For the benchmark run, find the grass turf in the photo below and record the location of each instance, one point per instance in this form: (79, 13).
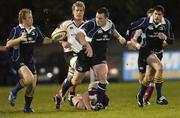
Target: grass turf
(122, 103)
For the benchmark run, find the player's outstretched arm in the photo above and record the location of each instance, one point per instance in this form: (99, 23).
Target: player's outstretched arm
(81, 38)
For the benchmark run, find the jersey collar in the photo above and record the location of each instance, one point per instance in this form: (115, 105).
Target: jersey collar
(108, 25)
(162, 21)
(28, 30)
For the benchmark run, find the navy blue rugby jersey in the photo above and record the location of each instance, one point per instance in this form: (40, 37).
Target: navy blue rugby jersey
(24, 51)
(99, 36)
(150, 32)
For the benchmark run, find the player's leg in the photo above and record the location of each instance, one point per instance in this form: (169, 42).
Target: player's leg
(30, 88)
(79, 73)
(149, 77)
(29, 95)
(154, 61)
(67, 84)
(142, 69)
(25, 80)
(101, 71)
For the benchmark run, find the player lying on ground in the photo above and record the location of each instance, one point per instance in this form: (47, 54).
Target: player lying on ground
(90, 100)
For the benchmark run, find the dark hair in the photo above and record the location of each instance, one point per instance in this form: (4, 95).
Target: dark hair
(105, 101)
(104, 11)
(159, 8)
(150, 11)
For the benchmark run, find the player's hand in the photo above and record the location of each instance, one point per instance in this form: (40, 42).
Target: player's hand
(89, 50)
(23, 37)
(162, 36)
(65, 44)
(122, 40)
(133, 45)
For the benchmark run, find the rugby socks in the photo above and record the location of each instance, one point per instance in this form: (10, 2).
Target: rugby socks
(17, 88)
(67, 84)
(149, 91)
(158, 82)
(143, 90)
(158, 89)
(28, 101)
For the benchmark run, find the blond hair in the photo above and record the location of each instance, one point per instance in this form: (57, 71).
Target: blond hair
(22, 14)
(78, 4)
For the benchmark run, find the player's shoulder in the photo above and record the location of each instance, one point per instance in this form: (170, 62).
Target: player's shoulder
(66, 23)
(109, 25)
(166, 20)
(90, 21)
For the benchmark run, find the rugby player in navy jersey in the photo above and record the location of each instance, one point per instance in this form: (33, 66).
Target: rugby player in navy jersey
(157, 33)
(94, 37)
(130, 33)
(20, 42)
(71, 46)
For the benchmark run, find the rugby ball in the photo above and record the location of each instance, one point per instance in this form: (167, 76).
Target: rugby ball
(59, 34)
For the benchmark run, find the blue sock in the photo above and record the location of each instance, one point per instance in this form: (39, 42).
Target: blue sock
(17, 88)
(28, 101)
(66, 86)
(143, 90)
(158, 89)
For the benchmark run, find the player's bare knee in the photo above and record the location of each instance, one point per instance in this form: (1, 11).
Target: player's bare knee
(159, 68)
(146, 82)
(74, 81)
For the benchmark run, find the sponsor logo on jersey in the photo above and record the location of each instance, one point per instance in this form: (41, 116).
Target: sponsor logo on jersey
(161, 28)
(32, 33)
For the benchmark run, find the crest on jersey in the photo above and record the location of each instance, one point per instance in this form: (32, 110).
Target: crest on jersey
(32, 33)
(150, 27)
(161, 28)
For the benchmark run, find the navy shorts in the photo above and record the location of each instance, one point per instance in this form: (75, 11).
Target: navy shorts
(143, 54)
(84, 63)
(18, 64)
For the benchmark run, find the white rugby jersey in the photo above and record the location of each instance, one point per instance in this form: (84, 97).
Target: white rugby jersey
(72, 30)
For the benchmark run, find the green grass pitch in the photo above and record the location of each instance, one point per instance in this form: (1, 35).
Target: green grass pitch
(122, 103)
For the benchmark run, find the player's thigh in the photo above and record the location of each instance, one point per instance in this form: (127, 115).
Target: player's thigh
(25, 73)
(141, 77)
(73, 62)
(154, 62)
(77, 77)
(101, 71)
